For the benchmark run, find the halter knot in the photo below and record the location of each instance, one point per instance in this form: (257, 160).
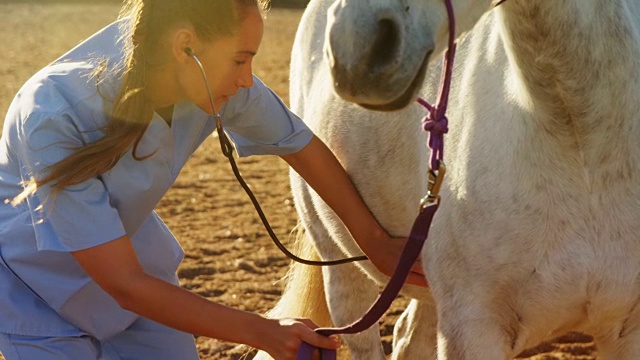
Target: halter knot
(435, 127)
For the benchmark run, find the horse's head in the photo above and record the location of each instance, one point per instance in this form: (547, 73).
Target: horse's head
(378, 50)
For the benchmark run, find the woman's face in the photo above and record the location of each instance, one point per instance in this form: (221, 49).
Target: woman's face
(227, 62)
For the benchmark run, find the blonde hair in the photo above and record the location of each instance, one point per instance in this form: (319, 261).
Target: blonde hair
(131, 112)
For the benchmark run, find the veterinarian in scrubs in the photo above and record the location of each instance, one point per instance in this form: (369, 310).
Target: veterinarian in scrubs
(90, 145)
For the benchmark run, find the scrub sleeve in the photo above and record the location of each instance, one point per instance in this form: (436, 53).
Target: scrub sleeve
(45, 296)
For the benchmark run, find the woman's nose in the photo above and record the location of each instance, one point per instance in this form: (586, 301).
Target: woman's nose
(245, 78)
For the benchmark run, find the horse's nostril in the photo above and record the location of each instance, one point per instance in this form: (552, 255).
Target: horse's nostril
(386, 44)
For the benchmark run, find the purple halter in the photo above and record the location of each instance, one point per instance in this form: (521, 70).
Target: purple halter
(436, 124)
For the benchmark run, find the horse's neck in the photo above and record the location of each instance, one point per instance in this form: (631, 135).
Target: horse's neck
(573, 54)
(577, 66)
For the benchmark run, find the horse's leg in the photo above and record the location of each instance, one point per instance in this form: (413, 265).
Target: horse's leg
(473, 328)
(623, 343)
(415, 332)
(479, 339)
(350, 293)
(624, 348)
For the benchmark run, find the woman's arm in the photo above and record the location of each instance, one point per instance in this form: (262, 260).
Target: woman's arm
(324, 173)
(115, 267)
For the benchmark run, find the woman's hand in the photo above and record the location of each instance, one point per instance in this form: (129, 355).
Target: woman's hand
(283, 341)
(320, 169)
(385, 252)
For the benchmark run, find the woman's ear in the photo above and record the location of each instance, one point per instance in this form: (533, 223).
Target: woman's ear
(183, 43)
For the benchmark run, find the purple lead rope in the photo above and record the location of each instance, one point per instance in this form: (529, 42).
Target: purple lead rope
(408, 257)
(436, 124)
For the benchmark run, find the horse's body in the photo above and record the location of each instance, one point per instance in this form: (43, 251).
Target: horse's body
(538, 230)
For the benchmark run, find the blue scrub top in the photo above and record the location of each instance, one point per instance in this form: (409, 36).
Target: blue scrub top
(43, 290)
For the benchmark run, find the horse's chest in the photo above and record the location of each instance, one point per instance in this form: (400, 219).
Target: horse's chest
(575, 248)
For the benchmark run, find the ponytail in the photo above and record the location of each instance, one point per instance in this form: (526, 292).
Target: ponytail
(131, 112)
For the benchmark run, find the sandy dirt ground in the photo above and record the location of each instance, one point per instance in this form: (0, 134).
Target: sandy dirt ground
(229, 257)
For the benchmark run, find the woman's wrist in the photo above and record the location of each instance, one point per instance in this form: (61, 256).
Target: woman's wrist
(256, 329)
(371, 240)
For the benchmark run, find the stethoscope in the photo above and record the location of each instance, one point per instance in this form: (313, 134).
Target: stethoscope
(227, 151)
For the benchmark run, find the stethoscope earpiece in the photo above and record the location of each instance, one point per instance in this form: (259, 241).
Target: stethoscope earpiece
(188, 51)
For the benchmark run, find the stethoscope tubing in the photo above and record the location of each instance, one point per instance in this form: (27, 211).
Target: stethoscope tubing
(227, 150)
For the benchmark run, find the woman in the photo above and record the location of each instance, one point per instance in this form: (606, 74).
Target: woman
(90, 145)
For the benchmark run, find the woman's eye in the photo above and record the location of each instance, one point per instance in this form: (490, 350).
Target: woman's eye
(240, 62)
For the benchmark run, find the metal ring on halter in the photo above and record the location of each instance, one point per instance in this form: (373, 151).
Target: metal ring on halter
(227, 150)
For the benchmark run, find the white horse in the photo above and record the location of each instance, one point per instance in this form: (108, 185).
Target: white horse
(538, 230)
